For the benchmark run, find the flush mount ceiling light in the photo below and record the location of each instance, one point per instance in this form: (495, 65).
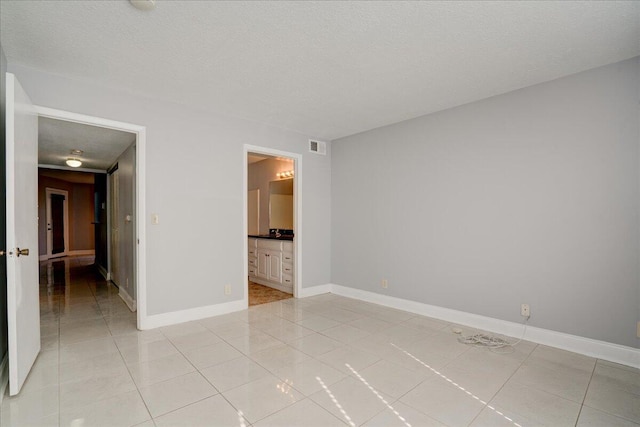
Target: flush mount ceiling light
(143, 4)
(74, 161)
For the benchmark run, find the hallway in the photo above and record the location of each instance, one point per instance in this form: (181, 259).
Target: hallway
(77, 304)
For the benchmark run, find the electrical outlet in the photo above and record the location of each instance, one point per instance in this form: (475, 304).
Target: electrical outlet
(227, 289)
(384, 283)
(525, 311)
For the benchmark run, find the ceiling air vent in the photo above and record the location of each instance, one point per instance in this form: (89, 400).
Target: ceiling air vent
(319, 147)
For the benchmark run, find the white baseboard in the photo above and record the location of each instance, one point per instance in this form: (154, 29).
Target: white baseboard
(103, 272)
(174, 317)
(83, 252)
(46, 257)
(131, 303)
(287, 289)
(594, 348)
(4, 375)
(315, 290)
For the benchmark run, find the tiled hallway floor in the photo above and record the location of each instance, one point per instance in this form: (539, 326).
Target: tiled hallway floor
(319, 361)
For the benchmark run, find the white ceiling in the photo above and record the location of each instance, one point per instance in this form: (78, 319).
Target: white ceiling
(101, 146)
(327, 69)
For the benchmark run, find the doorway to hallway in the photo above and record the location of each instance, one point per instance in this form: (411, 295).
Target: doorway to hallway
(120, 259)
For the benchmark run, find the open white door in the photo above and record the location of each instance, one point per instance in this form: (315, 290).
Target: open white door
(23, 306)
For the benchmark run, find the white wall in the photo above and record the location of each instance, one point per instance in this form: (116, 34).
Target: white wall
(194, 181)
(528, 197)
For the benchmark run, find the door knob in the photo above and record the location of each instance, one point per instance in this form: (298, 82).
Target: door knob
(24, 252)
(2, 253)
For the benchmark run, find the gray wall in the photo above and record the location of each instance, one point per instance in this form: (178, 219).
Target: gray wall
(528, 197)
(259, 175)
(195, 184)
(3, 210)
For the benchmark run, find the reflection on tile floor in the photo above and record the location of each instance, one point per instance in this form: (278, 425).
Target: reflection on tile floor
(319, 361)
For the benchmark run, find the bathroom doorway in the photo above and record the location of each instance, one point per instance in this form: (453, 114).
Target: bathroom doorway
(272, 225)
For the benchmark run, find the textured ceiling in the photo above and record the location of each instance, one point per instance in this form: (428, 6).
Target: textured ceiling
(101, 146)
(327, 69)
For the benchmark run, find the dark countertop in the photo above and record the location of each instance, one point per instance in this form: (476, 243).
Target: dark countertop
(272, 237)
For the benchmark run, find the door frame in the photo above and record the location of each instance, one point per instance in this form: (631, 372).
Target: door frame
(297, 213)
(254, 193)
(48, 191)
(110, 261)
(140, 196)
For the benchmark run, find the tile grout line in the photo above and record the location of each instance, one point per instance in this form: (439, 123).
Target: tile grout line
(507, 380)
(271, 372)
(111, 336)
(586, 392)
(238, 411)
(131, 377)
(199, 372)
(274, 313)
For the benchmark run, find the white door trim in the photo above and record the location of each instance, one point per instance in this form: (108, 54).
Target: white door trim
(140, 178)
(297, 213)
(48, 192)
(113, 275)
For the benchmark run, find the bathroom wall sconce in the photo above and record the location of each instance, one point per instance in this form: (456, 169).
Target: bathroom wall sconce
(285, 174)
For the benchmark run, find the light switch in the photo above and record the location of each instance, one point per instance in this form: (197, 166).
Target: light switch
(155, 219)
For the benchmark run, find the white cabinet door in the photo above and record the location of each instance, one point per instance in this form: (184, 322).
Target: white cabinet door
(275, 267)
(263, 264)
(23, 306)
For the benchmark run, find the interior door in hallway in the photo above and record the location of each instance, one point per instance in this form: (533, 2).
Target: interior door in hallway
(57, 223)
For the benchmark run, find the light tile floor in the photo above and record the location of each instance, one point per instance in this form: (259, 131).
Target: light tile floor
(319, 361)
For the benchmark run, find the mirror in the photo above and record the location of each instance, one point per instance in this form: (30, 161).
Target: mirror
(281, 204)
